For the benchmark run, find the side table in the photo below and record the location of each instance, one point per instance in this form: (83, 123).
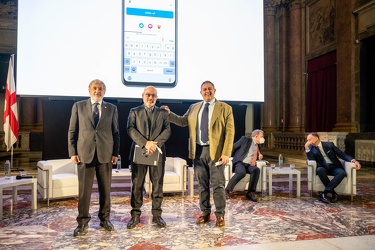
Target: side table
(14, 183)
(278, 171)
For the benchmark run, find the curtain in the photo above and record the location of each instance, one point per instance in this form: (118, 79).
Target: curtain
(321, 93)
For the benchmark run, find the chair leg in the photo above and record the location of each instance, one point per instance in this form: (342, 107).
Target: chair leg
(351, 186)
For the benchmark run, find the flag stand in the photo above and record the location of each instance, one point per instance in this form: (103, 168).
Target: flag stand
(11, 163)
(11, 160)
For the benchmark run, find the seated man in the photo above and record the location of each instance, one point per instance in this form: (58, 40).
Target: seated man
(245, 153)
(325, 154)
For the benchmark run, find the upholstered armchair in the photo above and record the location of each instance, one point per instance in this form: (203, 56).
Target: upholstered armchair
(174, 176)
(347, 186)
(243, 184)
(57, 179)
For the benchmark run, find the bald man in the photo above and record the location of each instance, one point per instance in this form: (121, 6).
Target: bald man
(148, 126)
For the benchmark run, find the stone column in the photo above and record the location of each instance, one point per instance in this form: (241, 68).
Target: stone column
(269, 108)
(294, 99)
(283, 62)
(347, 94)
(303, 66)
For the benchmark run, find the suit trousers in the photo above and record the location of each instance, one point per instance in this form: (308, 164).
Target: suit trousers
(205, 170)
(240, 170)
(338, 175)
(138, 179)
(86, 174)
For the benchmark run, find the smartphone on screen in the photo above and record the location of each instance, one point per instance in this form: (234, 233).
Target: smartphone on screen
(149, 43)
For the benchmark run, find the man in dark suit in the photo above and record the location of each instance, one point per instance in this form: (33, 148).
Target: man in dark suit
(210, 146)
(245, 153)
(93, 144)
(148, 126)
(325, 154)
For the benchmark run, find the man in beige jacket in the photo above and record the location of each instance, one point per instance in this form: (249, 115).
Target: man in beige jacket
(211, 128)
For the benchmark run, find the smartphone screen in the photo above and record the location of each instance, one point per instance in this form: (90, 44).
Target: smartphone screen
(149, 48)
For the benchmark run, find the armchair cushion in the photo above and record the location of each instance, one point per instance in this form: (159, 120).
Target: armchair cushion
(243, 184)
(174, 176)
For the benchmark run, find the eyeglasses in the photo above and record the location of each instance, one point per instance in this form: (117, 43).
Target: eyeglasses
(151, 95)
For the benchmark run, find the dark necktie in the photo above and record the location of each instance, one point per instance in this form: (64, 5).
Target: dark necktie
(95, 114)
(204, 124)
(149, 114)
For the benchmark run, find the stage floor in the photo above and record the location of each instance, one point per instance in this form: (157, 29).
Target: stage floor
(278, 222)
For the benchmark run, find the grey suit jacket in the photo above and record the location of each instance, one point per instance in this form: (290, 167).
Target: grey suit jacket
(139, 131)
(84, 138)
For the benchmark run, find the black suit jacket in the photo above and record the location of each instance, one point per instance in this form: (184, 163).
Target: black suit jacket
(241, 148)
(139, 131)
(332, 153)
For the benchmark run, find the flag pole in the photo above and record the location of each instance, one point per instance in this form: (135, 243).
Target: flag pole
(11, 160)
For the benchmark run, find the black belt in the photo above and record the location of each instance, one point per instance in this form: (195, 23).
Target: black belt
(202, 146)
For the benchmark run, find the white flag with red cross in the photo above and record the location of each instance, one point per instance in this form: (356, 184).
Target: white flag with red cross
(10, 108)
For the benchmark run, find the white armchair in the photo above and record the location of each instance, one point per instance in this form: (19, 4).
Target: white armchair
(243, 184)
(174, 176)
(57, 179)
(347, 186)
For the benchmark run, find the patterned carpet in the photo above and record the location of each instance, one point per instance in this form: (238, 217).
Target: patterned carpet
(279, 218)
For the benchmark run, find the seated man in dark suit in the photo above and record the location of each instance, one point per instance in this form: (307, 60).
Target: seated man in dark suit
(245, 153)
(325, 154)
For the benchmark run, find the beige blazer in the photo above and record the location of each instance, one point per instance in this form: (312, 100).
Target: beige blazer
(221, 131)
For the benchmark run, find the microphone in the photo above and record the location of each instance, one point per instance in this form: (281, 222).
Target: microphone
(18, 177)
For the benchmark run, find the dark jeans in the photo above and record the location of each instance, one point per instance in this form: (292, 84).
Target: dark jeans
(86, 174)
(138, 179)
(338, 175)
(240, 170)
(205, 170)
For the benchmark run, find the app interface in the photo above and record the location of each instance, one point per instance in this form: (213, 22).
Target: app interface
(149, 42)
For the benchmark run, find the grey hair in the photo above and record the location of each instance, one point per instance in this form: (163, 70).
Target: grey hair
(256, 132)
(97, 81)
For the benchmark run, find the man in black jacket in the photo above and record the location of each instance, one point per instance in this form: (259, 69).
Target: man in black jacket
(149, 128)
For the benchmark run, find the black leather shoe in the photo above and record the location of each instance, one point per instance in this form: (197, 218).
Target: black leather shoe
(133, 222)
(334, 198)
(228, 194)
(108, 226)
(81, 230)
(159, 221)
(323, 198)
(251, 196)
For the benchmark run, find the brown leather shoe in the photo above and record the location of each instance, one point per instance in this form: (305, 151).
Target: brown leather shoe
(220, 221)
(203, 219)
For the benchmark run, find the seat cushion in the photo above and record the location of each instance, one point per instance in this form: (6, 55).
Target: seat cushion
(64, 180)
(171, 177)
